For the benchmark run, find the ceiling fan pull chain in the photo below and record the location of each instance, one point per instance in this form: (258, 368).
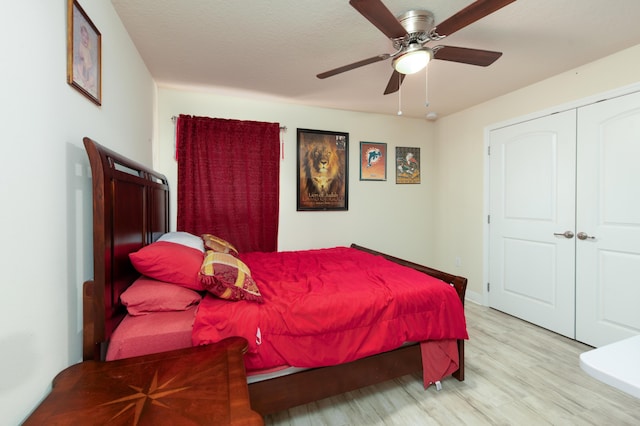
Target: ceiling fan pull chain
(426, 87)
(399, 94)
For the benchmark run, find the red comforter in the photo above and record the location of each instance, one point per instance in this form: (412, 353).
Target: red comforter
(330, 306)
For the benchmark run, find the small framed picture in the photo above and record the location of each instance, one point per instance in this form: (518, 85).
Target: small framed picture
(373, 161)
(322, 172)
(407, 165)
(84, 53)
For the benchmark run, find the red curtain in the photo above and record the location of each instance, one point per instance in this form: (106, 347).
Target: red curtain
(228, 180)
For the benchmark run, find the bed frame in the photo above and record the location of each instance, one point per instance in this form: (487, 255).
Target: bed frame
(131, 210)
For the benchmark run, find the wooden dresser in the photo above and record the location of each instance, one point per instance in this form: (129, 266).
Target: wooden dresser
(193, 386)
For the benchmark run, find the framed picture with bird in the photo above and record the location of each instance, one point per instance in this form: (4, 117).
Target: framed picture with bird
(407, 164)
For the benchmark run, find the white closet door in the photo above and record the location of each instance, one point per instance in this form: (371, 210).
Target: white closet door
(532, 193)
(608, 212)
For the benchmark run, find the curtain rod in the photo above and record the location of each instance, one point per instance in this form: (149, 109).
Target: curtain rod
(283, 128)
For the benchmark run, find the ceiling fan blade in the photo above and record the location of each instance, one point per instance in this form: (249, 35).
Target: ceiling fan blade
(378, 14)
(394, 82)
(470, 14)
(354, 65)
(466, 55)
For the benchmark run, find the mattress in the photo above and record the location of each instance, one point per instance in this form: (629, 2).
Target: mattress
(151, 333)
(330, 306)
(166, 331)
(322, 307)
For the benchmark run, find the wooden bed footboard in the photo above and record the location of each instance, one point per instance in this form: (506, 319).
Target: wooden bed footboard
(458, 282)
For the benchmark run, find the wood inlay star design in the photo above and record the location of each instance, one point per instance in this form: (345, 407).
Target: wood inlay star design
(138, 399)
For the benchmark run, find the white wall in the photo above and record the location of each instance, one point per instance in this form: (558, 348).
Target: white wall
(382, 215)
(45, 189)
(460, 155)
(45, 217)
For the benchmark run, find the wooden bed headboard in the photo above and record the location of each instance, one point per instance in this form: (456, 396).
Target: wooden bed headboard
(130, 210)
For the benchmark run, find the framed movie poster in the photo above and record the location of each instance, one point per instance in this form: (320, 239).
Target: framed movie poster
(84, 53)
(322, 160)
(373, 161)
(407, 165)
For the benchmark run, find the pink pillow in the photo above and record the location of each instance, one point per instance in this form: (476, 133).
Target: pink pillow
(147, 295)
(170, 262)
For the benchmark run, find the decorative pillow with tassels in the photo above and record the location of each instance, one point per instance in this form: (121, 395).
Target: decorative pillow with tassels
(229, 278)
(212, 242)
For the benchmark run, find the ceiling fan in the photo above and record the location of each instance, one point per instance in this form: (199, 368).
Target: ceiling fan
(411, 31)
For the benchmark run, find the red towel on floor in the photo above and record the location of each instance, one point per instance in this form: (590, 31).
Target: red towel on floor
(439, 359)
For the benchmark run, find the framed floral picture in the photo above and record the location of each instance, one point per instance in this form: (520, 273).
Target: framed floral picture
(84, 53)
(322, 173)
(373, 161)
(407, 165)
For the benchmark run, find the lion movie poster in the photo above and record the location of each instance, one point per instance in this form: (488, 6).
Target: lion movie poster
(407, 165)
(322, 170)
(373, 161)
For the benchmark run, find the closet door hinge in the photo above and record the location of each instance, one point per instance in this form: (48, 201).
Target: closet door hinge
(489, 150)
(488, 287)
(489, 219)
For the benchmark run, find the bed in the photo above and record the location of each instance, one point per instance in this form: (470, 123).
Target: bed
(131, 212)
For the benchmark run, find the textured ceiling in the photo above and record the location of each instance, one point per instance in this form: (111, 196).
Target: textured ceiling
(274, 49)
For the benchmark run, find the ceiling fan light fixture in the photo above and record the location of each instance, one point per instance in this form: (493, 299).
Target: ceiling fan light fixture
(413, 60)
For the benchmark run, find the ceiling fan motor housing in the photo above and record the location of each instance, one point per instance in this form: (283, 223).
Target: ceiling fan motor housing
(417, 21)
(418, 24)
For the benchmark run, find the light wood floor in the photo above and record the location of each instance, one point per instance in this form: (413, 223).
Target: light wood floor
(516, 374)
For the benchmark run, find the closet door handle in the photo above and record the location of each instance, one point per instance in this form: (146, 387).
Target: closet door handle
(585, 236)
(566, 234)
